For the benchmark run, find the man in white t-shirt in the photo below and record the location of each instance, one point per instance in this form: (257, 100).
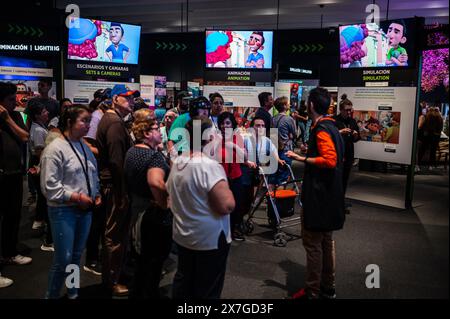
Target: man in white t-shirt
(201, 202)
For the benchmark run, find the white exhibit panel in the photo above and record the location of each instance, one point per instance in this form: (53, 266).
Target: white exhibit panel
(83, 91)
(282, 89)
(148, 89)
(385, 117)
(242, 96)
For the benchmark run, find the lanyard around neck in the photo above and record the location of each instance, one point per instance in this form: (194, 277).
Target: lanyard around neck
(85, 167)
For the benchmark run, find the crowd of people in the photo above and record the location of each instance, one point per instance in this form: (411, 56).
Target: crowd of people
(115, 181)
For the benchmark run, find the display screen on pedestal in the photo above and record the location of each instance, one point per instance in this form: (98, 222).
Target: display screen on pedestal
(103, 41)
(239, 49)
(390, 44)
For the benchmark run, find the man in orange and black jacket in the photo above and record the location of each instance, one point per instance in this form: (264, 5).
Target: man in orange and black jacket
(322, 198)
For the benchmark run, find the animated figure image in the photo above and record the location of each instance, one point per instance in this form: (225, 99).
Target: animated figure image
(255, 43)
(385, 119)
(373, 127)
(397, 55)
(218, 48)
(352, 45)
(392, 133)
(23, 94)
(294, 96)
(116, 50)
(82, 38)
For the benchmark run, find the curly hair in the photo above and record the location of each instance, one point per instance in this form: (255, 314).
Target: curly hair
(139, 128)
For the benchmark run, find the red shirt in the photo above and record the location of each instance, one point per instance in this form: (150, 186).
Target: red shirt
(232, 170)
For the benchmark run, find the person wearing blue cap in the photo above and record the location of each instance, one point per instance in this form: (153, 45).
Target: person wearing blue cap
(113, 140)
(116, 50)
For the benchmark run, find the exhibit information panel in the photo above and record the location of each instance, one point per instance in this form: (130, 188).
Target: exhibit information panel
(83, 91)
(385, 117)
(238, 96)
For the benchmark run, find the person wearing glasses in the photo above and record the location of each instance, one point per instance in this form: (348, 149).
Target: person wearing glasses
(348, 128)
(168, 119)
(146, 170)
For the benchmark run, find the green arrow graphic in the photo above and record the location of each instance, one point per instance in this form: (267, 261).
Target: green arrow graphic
(11, 28)
(313, 47)
(26, 30)
(164, 45)
(157, 45)
(18, 29)
(294, 48)
(306, 48)
(177, 47)
(170, 46)
(33, 32)
(320, 47)
(300, 48)
(40, 33)
(184, 46)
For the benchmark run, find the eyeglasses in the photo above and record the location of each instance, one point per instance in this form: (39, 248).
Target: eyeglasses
(86, 120)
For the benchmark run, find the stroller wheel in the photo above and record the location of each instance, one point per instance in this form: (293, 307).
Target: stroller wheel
(280, 240)
(248, 227)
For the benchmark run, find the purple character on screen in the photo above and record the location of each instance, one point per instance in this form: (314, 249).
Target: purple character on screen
(352, 43)
(115, 51)
(255, 42)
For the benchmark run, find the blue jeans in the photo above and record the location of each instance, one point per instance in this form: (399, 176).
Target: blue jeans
(283, 172)
(70, 230)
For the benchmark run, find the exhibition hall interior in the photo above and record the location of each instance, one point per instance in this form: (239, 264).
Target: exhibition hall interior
(212, 149)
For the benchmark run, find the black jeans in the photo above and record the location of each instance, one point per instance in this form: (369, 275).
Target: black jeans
(348, 163)
(156, 242)
(11, 192)
(236, 215)
(201, 273)
(95, 234)
(41, 208)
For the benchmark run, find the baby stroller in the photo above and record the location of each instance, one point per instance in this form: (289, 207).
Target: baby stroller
(281, 206)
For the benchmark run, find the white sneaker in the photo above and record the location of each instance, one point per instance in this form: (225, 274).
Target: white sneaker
(20, 260)
(38, 225)
(417, 169)
(47, 247)
(5, 282)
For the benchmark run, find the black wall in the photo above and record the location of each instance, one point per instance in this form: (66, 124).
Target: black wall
(181, 56)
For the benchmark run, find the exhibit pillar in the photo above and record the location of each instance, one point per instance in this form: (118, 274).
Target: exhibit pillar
(411, 168)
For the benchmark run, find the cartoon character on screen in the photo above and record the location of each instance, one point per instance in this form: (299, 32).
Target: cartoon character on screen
(218, 48)
(255, 43)
(352, 45)
(397, 55)
(115, 51)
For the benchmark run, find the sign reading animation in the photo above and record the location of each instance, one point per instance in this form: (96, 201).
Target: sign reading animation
(385, 117)
(243, 96)
(83, 91)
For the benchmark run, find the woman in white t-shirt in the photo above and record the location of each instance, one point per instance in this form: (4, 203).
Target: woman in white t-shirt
(201, 202)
